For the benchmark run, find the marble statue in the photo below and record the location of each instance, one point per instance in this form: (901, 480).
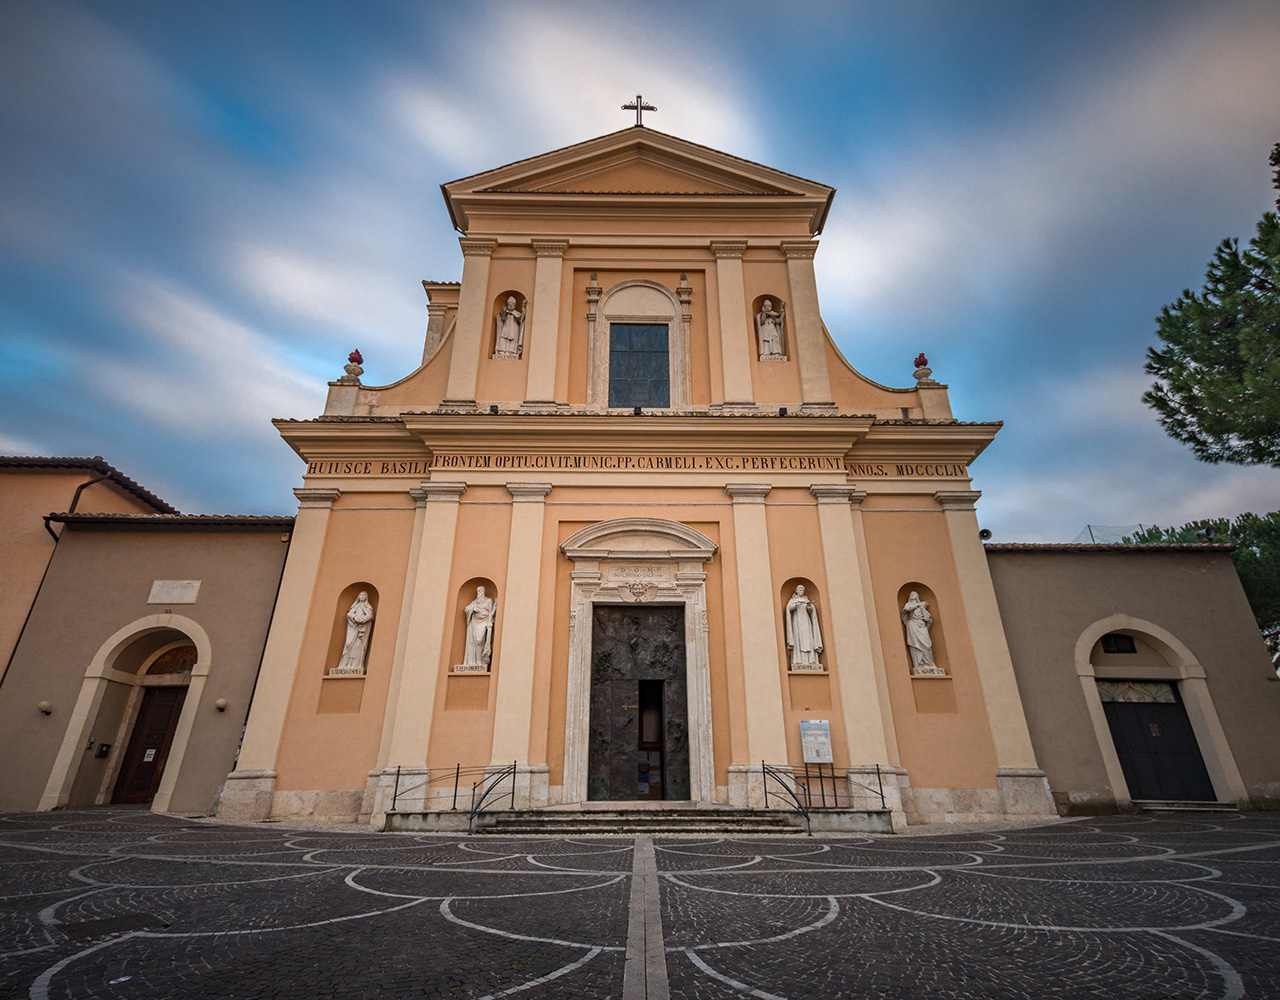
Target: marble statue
(510, 323)
(479, 646)
(804, 637)
(916, 619)
(356, 646)
(769, 324)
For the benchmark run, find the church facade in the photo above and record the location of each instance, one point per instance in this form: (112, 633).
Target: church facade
(635, 530)
(635, 486)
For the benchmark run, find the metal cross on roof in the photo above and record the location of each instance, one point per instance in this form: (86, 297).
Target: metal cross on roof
(639, 107)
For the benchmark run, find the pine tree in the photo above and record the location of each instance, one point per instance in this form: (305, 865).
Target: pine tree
(1217, 376)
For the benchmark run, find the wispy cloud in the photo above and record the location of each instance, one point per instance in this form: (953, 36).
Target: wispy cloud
(206, 374)
(552, 76)
(978, 214)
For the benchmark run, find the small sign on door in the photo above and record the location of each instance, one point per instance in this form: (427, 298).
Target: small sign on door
(149, 756)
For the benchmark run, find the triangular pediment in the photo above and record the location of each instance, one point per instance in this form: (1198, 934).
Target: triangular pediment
(635, 161)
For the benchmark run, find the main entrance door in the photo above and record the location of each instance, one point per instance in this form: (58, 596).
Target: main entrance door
(150, 744)
(1155, 742)
(639, 742)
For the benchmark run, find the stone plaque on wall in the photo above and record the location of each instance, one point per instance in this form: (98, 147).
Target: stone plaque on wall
(174, 592)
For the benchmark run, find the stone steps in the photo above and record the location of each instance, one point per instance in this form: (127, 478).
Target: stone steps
(565, 822)
(1178, 805)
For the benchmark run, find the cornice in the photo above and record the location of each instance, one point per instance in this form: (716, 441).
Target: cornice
(799, 250)
(728, 248)
(748, 492)
(528, 492)
(957, 499)
(550, 248)
(316, 497)
(834, 493)
(474, 247)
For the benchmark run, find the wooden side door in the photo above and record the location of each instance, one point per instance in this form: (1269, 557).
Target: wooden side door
(149, 745)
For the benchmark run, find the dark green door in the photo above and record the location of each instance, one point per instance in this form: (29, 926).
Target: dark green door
(639, 704)
(1155, 743)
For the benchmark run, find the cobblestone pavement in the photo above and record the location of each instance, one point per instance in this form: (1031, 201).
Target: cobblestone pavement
(122, 903)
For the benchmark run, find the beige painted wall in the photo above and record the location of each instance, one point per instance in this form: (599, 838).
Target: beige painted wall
(26, 495)
(98, 582)
(1049, 598)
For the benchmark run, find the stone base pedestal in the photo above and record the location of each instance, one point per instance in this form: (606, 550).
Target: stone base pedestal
(532, 783)
(1025, 792)
(384, 791)
(247, 795)
(747, 787)
(865, 785)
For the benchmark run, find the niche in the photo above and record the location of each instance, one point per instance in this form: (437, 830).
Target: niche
(769, 324)
(467, 596)
(510, 312)
(338, 635)
(803, 632)
(924, 642)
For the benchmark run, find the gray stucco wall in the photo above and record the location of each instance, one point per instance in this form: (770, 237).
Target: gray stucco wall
(1048, 598)
(98, 582)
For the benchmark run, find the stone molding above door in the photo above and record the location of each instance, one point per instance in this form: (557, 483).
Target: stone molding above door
(623, 561)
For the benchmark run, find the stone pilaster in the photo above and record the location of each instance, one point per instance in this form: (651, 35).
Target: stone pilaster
(518, 635)
(766, 729)
(806, 320)
(469, 330)
(736, 340)
(541, 342)
(1022, 785)
(426, 632)
(247, 792)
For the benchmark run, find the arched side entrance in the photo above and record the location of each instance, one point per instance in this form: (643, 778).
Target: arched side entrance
(1179, 669)
(647, 561)
(105, 669)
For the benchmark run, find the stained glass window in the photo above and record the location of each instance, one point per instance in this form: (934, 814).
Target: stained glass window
(639, 365)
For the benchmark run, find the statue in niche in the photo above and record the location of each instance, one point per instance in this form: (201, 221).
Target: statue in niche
(479, 646)
(804, 637)
(510, 323)
(769, 323)
(356, 646)
(916, 620)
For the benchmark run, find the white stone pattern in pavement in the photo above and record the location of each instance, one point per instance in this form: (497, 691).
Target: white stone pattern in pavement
(125, 904)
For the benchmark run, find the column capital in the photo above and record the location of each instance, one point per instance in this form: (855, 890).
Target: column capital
(748, 492)
(314, 496)
(528, 492)
(550, 248)
(957, 499)
(835, 493)
(801, 250)
(475, 247)
(441, 492)
(734, 248)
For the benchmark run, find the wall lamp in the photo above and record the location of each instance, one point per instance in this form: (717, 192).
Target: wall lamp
(220, 704)
(44, 708)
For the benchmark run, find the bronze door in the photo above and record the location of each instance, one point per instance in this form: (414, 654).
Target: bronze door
(639, 733)
(149, 745)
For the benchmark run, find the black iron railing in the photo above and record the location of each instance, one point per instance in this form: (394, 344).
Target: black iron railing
(479, 777)
(786, 787)
(489, 787)
(814, 787)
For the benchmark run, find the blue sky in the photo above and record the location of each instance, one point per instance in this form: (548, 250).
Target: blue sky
(203, 208)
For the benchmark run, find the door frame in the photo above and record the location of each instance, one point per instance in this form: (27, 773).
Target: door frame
(101, 672)
(1186, 674)
(631, 560)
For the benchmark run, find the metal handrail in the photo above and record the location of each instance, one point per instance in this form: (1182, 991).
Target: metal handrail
(782, 775)
(492, 782)
(458, 772)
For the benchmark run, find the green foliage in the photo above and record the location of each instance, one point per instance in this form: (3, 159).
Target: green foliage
(1257, 559)
(1217, 376)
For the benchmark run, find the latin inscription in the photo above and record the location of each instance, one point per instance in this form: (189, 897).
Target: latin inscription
(642, 463)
